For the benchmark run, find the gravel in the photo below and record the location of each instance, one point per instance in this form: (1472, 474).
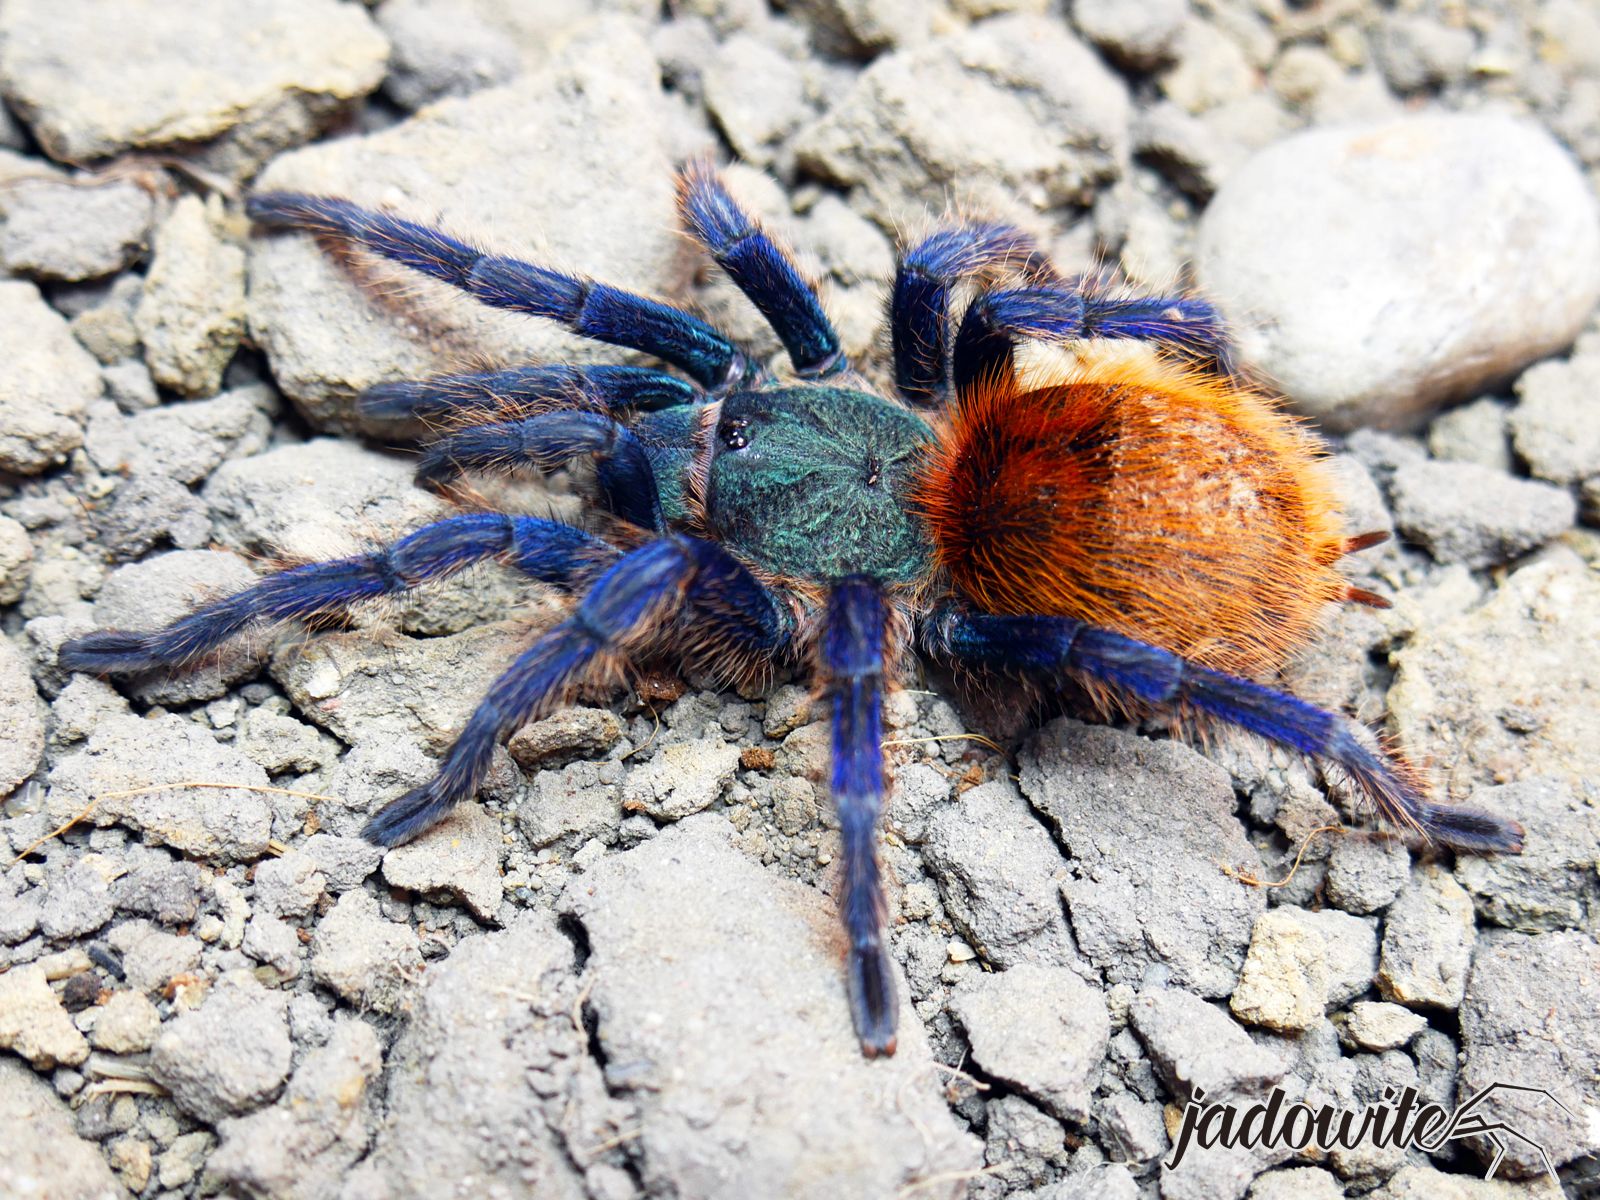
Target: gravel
(616, 972)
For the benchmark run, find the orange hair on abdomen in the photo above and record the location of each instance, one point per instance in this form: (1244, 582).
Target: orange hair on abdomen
(1179, 509)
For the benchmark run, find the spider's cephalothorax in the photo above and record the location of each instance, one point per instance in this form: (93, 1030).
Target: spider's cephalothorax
(1157, 534)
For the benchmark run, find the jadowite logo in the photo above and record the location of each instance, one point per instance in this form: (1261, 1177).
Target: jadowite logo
(1402, 1118)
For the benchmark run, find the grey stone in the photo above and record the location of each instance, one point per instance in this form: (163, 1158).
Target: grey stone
(1136, 35)
(150, 957)
(1144, 824)
(156, 887)
(365, 959)
(126, 1024)
(149, 510)
(714, 980)
(1015, 109)
(1555, 978)
(587, 129)
(757, 93)
(129, 384)
(192, 315)
(309, 500)
(289, 885)
(151, 594)
(223, 81)
(567, 733)
(1556, 427)
(1297, 1183)
(40, 1154)
(1553, 883)
(301, 1147)
(180, 1163)
(47, 381)
(77, 901)
(1212, 68)
(278, 743)
(1427, 942)
(682, 778)
(492, 1034)
(1415, 50)
(575, 801)
(132, 754)
(1131, 1129)
(446, 48)
(1417, 1182)
(458, 858)
(273, 943)
(1021, 1143)
(21, 719)
(1000, 876)
(1350, 945)
(1498, 692)
(1195, 1045)
(73, 230)
(185, 442)
(1465, 513)
(1041, 1029)
(1366, 873)
(394, 693)
(1474, 433)
(32, 1022)
(1377, 1025)
(16, 559)
(231, 1054)
(1400, 274)
(345, 861)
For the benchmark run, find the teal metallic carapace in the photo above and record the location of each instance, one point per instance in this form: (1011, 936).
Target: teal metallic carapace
(811, 483)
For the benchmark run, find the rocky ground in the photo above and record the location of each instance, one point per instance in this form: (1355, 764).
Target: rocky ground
(617, 972)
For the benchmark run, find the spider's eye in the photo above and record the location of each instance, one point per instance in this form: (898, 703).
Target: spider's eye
(731, 433)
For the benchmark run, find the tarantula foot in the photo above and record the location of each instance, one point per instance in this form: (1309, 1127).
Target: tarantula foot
(103, 653)
(872, 999)
(401, 820)
(1473, 829)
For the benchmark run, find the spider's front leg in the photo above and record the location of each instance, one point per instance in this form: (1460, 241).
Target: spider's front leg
(624, 609)
(854, 634)
(1050, 647)
(608, 389)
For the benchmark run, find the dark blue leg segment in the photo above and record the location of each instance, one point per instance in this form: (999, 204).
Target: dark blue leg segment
(1051, 647)
(853, 639)
(547, 550)
(627, 480)
(919, 314)
(589, 309)
(615, 390)
(624, 607)
(764, 273)
(1182, 326)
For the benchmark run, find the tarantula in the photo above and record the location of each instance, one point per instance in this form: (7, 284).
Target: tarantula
(1152, 532)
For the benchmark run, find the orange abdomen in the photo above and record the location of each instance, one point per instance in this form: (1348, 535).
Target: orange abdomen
(1180, 510)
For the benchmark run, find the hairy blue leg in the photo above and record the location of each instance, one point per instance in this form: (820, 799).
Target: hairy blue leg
(623, 471)
(626, 605)
(1181, 325)
(919, 313)
(1052, 646)
(853, 637)
(547, 550)
(610, 389)
(590, 309)
(764, 273)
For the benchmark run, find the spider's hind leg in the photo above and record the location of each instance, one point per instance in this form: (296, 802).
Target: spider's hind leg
(925, 279)
(1183, 326)
(1052, 646)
